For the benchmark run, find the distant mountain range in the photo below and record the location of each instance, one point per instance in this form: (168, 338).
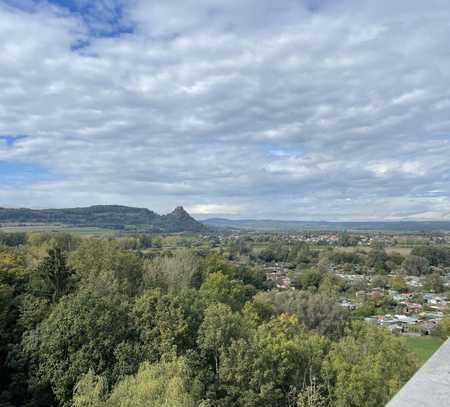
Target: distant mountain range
(142, 219)
(106, 216)
(280, 225)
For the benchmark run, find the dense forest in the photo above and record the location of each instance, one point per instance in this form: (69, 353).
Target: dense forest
(106, 216)
(87, 321)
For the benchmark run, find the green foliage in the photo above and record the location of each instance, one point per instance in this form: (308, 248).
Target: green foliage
(64, 241)
(221, 288)
(135, 242)
(379, 281)
(12, 239)
(396, 258)
(346, 240)
(416, 265)
(275, 363)
(53, 277)
(367, 368)
(13, 278)
(220, 325)
(366, 309)
(113, 326)
(331, 285)
(377, 259)
(312, 396)
(7, 319)
(259, 309)
(82, 332)
(340, 257)
(318, 312)
(164, 384)
(310, 279)
(298, 253)
(160, 324)
(436, 255)
(12, 267)
(215, 263)
(433, 282)
(248, 276)
(32, 310)
(424, 346)
(398, 283)
(443, 329)
(102, 266)
(173, 273)
(90, 391)
(238, 248)
(274, 252)
(107, 216)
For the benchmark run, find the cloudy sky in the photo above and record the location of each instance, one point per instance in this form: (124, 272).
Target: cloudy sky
(289, 109)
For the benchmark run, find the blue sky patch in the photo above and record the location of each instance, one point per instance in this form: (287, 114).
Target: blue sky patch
(10, 140)
(104, 18)
(277, 151)
(288, 152)
(16, 172)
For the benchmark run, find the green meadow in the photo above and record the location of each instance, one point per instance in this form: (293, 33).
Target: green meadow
(423, 346)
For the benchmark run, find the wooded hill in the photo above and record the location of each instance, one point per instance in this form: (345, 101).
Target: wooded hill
(105, 216)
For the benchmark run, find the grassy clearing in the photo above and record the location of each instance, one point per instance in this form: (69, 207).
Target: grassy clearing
(404, 251)
(423, 346)
(88, 231)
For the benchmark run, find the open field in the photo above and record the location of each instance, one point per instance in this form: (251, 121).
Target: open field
(423, 346)
(88, 231)
(404, 251)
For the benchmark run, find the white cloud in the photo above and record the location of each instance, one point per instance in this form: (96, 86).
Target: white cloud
(414, 96)
(208, 209)
(192, 106)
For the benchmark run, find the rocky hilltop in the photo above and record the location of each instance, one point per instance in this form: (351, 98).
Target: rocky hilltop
(106, 216)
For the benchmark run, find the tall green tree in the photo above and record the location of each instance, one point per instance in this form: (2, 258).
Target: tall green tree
(434, 282)
(367, 367)
(163, 384)
(443, 328)
(53, 277)
(219, 327)
(102, 266)
(159, 323)
(220, 288)
(319, 312)
(416, 265)
(272, 365)
(83, 331)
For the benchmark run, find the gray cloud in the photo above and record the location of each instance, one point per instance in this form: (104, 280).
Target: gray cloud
(321, 109)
